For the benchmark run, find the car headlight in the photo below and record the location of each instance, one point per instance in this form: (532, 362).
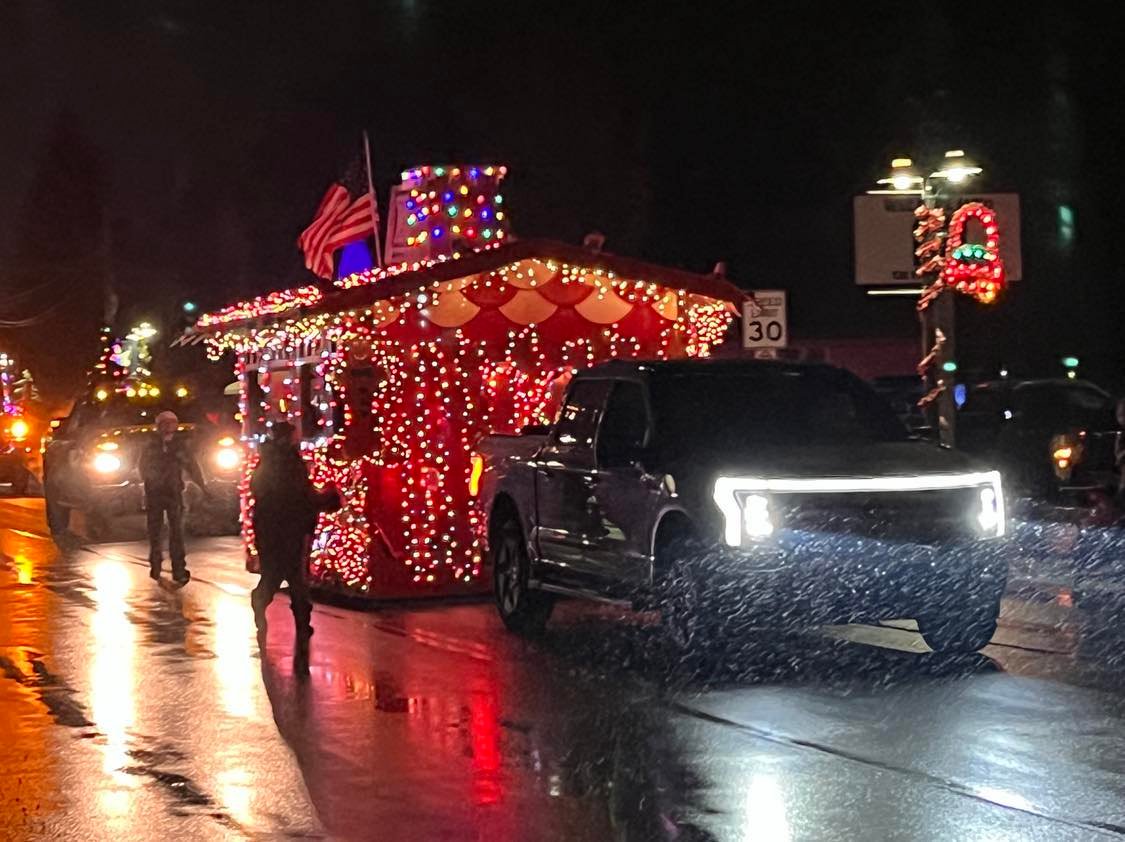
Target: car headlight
(20, 429)
(228, 457)
(106, 462)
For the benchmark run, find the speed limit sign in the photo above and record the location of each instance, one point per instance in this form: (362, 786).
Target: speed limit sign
(764, 320)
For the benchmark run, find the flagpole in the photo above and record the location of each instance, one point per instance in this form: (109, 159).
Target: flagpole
(374, 206)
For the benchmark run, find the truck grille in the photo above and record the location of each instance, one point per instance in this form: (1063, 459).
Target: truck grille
(921, 517)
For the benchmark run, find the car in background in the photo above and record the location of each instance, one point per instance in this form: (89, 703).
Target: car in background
(19, 449)
(91, 462)
(902, 393)
(1050, 437)
(734, 493)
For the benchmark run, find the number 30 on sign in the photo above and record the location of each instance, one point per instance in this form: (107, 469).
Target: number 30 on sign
(764, 319)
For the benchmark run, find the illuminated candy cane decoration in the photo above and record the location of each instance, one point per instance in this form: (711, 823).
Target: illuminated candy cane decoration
(975, 269)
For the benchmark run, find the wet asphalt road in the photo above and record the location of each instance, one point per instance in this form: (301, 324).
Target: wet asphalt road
(131, 710)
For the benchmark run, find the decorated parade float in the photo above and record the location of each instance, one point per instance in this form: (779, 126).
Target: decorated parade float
(393, 374)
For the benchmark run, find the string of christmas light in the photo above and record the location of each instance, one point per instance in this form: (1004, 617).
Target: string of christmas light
(929, 232)
(974, 269)
(273, 304)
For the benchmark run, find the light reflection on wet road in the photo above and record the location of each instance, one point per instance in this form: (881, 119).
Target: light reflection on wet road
(132, 710)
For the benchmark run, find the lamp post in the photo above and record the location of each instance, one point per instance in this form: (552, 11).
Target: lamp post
(938, 365)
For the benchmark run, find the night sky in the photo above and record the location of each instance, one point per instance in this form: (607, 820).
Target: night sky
(177, 148)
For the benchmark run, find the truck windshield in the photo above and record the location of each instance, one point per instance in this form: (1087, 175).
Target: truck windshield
(786, 406)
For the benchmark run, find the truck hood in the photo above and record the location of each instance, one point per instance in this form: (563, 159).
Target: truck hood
(884, 459)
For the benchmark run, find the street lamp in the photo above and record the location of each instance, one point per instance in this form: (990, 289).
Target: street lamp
(956, 168)
(904, 178)
(935, 305)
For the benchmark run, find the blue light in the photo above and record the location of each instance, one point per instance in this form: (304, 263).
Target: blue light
(474, 172)
(354, 257)
(437, 233)
(485, 214)
(960, 392)
(447, 196)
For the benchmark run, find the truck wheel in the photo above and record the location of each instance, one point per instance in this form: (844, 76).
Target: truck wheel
(960, 632)
(523, 610)
(688, 622)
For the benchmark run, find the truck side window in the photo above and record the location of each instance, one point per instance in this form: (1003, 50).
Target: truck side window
(624, 427)
(578, 420)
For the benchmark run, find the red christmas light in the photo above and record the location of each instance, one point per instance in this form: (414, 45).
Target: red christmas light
(974, 269)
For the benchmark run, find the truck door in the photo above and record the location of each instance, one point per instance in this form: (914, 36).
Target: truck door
(625, 496)
(564, 478)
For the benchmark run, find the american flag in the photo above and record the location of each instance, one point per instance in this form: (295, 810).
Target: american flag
(339, 220)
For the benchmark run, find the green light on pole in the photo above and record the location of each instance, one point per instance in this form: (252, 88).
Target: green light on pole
(190, 306)
(1070, 362)
(949, 366)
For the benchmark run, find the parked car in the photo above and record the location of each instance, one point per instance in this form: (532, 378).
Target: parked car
(734, 492)
(902, 393)
(1049, 437)
(90, 463)
(19, 445)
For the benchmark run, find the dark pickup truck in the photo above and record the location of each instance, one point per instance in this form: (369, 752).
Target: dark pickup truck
(735, 493)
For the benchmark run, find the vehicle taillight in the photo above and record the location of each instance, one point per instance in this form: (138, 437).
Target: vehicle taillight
(475, 473)
(1066, 452)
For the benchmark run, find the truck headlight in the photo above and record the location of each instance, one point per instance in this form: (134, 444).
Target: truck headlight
(106, 462)
(746, 515)
(756, 519)
(991, 515)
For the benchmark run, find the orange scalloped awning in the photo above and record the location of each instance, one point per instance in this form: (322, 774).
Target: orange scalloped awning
(604, 307)
(452, 309)
(528, 307)
(528, 274)
(668, 306)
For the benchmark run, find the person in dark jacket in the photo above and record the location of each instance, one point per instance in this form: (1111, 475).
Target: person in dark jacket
(285, 513)
(163, 463)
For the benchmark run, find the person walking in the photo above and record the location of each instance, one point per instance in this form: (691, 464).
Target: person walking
(285, 514)
(163, 463)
